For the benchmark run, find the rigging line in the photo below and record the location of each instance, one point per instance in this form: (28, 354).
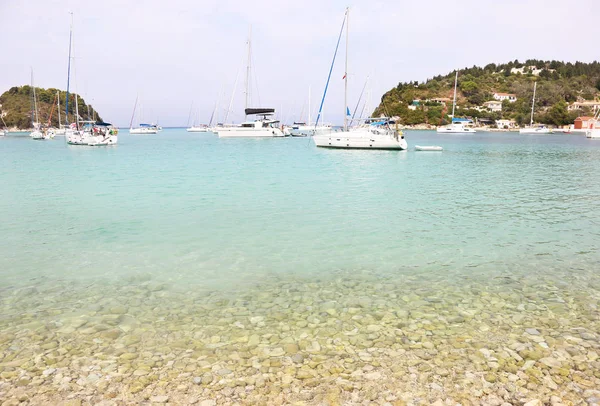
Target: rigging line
(233, 93)
(359, 99)
(331, 68)
(190, 114)
(255, 77)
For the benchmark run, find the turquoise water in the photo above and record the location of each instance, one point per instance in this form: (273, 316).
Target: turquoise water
(163, 222)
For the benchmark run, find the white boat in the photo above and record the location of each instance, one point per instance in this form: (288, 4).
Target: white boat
(144, 129)
(302, 129)
(458, 125)
(61, 130)
(2, 133)
(261, 127)
(93, 134)
(88, 132)
(198, 129)
(541, 129)
(38, 133)
(373, 135)
(428, 148)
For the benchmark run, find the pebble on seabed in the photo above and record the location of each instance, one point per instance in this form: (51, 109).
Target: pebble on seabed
(351, 339)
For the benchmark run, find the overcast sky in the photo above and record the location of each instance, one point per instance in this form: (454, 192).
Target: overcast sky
(173, 53)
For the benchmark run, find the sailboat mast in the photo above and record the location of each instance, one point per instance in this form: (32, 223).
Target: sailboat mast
(69, 71)
(532, 104)
(35, 109)
(454, 99)
(133, 114)
(346, 73)
(248, 70)
(77, 110)
(308, 105)
(58, 107)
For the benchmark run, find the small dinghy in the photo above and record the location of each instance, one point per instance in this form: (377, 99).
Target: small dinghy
(428, 148)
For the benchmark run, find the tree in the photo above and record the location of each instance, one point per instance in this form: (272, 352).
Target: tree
(558, 114)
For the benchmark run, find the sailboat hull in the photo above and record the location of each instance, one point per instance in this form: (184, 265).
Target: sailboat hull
(143, 131)
(240, 132)
(360, 139)
(535, 131)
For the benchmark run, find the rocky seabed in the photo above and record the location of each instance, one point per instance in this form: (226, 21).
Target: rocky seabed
(353, 338)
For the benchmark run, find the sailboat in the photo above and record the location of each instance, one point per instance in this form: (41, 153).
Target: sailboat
(458, 125)
(38, 132)
(376, 134)
(301, 129)
(263, 126)
(61, 130)
(5, 131)
(204, 128)
(542, 129)
(89, 132)
(143, 128)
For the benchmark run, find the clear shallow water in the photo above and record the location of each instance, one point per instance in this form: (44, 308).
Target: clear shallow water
(175, 216)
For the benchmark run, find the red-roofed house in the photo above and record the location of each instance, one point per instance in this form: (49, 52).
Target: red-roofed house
(583, 122)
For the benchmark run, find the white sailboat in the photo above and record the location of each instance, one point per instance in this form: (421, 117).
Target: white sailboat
(542, 129)
(5, 131)
(263, 126)
(38, 132)
(307, 129)
(458, 125)
(374, 135)
(142, 128)
(61, 130)
(87, 133)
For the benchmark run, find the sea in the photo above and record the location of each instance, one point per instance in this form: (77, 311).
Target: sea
(185, 268)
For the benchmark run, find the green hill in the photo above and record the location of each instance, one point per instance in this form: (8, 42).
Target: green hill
(559, 84)
(16, 105)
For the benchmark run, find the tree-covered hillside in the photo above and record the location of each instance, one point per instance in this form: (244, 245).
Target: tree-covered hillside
(16, 106)
(559, 84)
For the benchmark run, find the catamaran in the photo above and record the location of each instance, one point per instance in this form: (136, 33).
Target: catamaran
(263, 126)
(458, 125)
(541, 129)
(372, 135)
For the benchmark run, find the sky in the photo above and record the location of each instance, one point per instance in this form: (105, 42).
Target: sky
(183, 56)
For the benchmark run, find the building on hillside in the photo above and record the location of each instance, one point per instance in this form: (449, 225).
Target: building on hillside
(579, 105)
(506, 124)
(441, 100)
(493, 105)
(583, 122)
(415, 103)
(525, 69)
(505, 96)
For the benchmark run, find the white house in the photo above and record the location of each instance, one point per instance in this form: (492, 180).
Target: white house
(523, 70)
(493, 105)
(506, 123)
(593, 105)
(505, 96)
